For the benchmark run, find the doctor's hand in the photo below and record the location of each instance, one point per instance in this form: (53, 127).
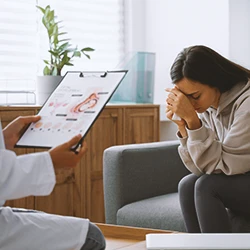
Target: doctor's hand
(15, 129)
(63, 157)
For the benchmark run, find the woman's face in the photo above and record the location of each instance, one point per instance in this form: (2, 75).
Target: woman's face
(200, 95)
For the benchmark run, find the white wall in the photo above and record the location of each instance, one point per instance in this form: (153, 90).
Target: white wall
(167, 26)
(173, 25)
(239, 31)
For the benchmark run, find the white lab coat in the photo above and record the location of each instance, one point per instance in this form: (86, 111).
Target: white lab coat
(33, 174)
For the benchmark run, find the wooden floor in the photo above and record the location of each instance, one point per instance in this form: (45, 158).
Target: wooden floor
(125, 238)
(113, 244)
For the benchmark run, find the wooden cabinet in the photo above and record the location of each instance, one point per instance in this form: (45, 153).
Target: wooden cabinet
(140, 125)
(79, 191)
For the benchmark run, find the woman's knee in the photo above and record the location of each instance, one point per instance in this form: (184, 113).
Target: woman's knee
(187, 183)
(206, 184)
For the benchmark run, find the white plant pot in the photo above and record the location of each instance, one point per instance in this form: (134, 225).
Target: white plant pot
(45, 85)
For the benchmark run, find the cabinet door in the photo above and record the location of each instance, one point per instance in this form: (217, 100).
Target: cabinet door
(106, 132)
(141, 124)
(7, 117)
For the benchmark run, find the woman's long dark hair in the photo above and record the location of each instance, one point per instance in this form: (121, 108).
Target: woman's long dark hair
(202, 64)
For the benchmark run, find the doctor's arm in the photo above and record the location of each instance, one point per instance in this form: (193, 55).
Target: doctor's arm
(33, 174)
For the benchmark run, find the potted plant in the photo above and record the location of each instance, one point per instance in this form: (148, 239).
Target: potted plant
(61, 54)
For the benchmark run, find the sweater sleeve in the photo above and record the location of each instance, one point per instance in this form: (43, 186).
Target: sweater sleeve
(203, 151)
(21, 176)
(186, 158)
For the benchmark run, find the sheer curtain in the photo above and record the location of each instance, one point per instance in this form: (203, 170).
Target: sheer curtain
(89, 23)
(17, 42)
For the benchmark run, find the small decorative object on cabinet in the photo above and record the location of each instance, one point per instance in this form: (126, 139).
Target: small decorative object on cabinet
(79, 191)
(138, 84)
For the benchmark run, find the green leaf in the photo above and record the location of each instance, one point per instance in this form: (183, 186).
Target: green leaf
(54, 71)
(47, 62)
(51, 30)
(62, 33)
(87, 49)
(77, 53)
(51, 15)
(64, 48)
(55, 30)
(45, 23)
(46, 71)
(64, 40)
(54, 53)
(86, 55)
(41, 9)
(69, 50)
(69, 64)
(47, 12)
(64, 60)
(47, 8)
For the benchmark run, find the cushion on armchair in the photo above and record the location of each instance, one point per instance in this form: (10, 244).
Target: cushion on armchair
(160, 212)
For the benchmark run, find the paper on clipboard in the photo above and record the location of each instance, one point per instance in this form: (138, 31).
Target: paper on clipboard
(72, 108)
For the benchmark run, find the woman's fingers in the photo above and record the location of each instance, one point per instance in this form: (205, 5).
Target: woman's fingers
(171, 96)
(169, 107)
(169, 114)
(169, 101)
(172, 90)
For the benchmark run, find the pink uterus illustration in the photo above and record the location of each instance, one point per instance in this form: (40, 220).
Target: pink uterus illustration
(89, 103)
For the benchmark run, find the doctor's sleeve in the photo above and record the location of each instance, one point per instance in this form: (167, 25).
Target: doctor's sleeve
(25, 175)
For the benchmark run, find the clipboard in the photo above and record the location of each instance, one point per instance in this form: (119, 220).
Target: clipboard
(72, 108)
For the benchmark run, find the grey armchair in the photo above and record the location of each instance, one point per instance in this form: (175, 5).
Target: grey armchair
(140, 187)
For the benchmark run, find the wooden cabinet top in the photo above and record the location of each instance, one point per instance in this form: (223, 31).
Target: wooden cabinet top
(27, 107)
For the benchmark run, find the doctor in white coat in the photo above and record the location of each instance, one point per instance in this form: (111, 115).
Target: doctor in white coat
(33, 174)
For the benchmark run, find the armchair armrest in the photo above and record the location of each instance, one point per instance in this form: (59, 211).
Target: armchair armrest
(139, 171)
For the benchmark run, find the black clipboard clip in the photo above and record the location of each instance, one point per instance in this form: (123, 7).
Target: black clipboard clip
(90, 74)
